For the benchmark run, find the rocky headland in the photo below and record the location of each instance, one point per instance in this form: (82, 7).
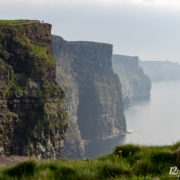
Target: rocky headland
(94, 99)
(32, 118)
(136, 85)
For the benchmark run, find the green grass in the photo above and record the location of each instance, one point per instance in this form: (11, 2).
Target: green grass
(126, 162)
(7, 22)
(16, 24)
(38, 51)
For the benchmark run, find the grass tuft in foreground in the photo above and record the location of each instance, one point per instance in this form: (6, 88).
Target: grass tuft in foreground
(126, 162)
(23, 169)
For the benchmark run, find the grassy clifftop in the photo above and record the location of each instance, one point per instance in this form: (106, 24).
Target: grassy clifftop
(2, 21)
(32, 118)
(126, 162)
(17, 21)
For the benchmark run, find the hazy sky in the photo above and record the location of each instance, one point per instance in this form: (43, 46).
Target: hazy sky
(149, 29)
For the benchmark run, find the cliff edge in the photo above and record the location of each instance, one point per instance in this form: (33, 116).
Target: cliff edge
(32, 119)
(135, 84)
(94, 88)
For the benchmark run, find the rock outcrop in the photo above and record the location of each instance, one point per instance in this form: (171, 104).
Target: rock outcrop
(94, 91)
(135, 84)
(32, 119)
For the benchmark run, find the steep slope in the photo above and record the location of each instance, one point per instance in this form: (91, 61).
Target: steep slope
(32, 119)
(93, 87)
(135, 84)
(161, 70)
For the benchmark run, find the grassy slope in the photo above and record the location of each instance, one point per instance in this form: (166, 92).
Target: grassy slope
(12, 21)
(126, 162)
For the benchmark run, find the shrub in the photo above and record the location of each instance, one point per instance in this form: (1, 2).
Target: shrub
(63, 172)
(133, 159)
(162, 161)
(163, 157)
(143, 168)
(175, 146)
(177, 152)
(23, 169)
(126, 150)
(113, 171)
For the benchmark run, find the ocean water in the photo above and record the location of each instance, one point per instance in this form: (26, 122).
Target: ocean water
(156, 121)
(150, 122)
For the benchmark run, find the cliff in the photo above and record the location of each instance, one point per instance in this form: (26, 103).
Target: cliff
(32, 119)
(74, 146)
(135, 84)
(161, 70)
(94, 90)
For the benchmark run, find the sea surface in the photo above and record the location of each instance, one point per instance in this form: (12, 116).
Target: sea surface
(150, 122)
(157, 121)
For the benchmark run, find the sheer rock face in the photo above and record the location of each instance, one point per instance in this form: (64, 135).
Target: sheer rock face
(94, 90)
(32, 119)
(135, 84)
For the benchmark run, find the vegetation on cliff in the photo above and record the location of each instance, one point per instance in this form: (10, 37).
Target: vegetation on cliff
(7, 22)
(32, 119)
(126, 162)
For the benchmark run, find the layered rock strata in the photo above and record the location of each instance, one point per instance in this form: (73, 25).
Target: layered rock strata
(32, 118)
(94, 97)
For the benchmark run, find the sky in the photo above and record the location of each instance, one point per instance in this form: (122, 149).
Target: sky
(149, 29)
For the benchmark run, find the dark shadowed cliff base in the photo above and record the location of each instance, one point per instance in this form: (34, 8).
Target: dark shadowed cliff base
(94, 97)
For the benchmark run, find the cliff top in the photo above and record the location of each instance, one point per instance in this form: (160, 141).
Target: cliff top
(119, 59)
(125, 56)
(30, 39)
(17, 22)
(82, 43)
(89, 43)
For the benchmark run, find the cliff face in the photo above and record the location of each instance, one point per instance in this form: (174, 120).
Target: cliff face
(73, 143)
(135, 84)
(161, 70)
(95, 89)
(32, 119)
